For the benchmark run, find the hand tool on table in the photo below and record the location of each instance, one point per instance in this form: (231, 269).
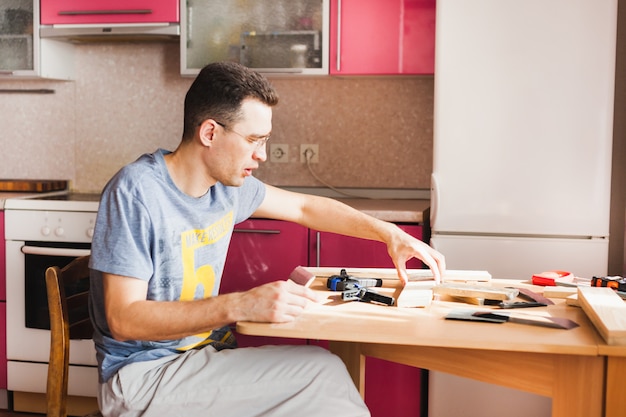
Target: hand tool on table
(357, 289)
(536, 300)
(502, 317)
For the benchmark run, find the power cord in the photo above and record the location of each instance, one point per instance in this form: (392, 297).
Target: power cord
(308, 155)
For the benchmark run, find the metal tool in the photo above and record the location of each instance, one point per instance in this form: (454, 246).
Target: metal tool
(356, 289)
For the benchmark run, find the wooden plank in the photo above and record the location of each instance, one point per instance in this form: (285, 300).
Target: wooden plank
(476, 291)
(414, 274)
(559, 292)
(607, 312)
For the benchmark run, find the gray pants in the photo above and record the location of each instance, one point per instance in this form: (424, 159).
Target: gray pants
(264, 381)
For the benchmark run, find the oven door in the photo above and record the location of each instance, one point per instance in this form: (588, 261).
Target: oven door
(28, 346)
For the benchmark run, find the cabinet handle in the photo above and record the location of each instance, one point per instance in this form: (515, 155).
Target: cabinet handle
(279, 70)
(434, 199)
(318, 247)
(98, 12)
(24, 90)
(189, 19)
(261, 231)
(338, 53)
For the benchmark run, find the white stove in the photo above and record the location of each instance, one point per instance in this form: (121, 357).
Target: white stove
(51, 217)
(43, 230)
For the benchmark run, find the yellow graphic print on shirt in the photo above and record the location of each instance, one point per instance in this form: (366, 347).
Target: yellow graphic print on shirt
(204, 275)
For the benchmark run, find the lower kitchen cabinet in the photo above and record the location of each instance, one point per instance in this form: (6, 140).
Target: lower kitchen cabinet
(3, 307)
(3, 345)
(264, 250)
(391, 389)
(329, 249)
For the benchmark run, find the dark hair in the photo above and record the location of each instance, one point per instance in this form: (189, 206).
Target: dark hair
(217, 93)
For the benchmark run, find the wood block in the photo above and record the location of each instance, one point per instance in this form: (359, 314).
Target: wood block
(572, 300)
(559, 292)
(415, 294)
(607, 312)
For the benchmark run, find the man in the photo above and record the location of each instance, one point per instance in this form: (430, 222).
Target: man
(161, 237)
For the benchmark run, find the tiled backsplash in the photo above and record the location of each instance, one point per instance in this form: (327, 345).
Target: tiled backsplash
(127, 99)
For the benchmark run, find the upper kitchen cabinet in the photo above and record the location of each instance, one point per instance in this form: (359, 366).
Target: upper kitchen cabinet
(79, 19)
(382, 37)
(273, 36)
(22, 52)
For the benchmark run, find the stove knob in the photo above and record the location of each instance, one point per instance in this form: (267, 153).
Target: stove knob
(45, 231)
(89, 232)
(59, 231)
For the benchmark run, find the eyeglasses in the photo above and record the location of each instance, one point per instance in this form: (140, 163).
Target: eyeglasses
(258, 142)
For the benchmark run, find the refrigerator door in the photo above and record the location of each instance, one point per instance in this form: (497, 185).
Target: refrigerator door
(521, 257)
(523, 116)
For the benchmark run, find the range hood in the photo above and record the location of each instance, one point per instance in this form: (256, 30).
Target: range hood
(110, 31)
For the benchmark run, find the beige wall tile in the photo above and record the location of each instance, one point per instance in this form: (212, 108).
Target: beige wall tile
(127, 99)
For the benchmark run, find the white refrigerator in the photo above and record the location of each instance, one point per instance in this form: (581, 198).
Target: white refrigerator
(523, 121)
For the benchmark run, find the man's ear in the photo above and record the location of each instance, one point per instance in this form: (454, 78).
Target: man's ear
(206, 131)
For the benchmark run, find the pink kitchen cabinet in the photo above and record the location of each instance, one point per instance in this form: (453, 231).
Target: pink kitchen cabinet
(329, 249)
(268, 250)
(382, 37)
(109, 11)
(3, 264)
(3, 307)
(263, 251)
(391, 389)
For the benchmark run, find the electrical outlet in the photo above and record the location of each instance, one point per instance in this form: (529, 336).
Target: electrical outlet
(310, 152)
(279, 152)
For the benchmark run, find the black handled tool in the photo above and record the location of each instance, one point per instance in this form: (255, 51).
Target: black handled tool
(356, 289)
(344, 282)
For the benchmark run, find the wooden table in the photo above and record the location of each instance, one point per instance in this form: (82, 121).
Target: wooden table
(615, 406)
(563, 364)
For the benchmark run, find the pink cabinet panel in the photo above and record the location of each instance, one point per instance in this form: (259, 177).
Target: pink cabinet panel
(3, 264)
(263, 251)
(391, 389)
(382, 37)
(3, 307)
(3, 345)
(109, 11)
(328, 249)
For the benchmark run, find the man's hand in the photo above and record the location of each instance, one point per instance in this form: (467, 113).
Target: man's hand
(403, 247)
(275, 302)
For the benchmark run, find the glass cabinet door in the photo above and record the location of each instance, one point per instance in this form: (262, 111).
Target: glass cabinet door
(16, 35)
(280, 36)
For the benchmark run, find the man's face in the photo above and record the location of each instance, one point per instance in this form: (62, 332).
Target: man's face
(238, 149)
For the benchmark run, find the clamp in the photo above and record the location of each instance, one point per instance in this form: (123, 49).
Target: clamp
(357, 289)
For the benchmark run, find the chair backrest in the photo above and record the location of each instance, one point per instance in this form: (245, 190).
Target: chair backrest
(68, 294)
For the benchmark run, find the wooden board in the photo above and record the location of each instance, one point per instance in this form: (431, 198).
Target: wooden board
(35, 186)
(484, 292)
(414, 274)
(607, 312)
(559, 292)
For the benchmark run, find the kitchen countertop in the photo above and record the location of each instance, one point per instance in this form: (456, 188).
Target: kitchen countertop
(397, 211)
(4, 195)
(392, 210)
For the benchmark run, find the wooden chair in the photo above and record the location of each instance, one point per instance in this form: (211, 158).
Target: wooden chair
(69, 319)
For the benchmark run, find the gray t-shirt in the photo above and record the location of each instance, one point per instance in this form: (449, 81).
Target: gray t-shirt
(148, 229)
